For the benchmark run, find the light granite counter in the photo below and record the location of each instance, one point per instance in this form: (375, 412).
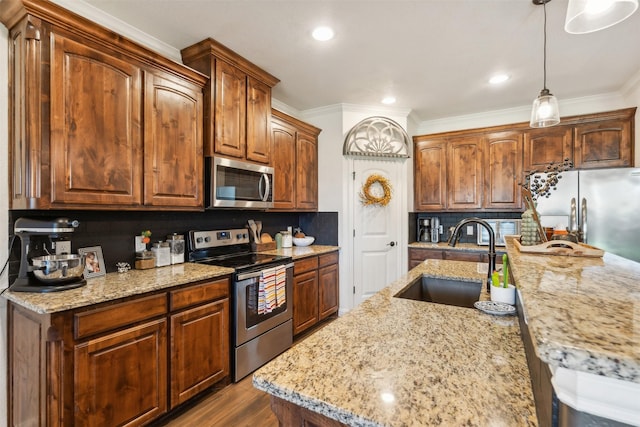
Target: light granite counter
(583, 313)
(113, 286)
(299, 252)
(399, 362)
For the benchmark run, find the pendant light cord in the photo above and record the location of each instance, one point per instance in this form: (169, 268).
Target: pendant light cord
(544, 60)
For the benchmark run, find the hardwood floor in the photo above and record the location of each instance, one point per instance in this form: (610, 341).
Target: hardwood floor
(237, 405)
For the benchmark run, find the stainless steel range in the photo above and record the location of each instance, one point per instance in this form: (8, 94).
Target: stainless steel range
(262, 296)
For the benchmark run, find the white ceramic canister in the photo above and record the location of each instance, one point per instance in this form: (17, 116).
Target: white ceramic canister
(162, 252)
(287, 239)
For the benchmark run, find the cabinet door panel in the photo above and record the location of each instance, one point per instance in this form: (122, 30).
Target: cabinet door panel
(547, 145)
(306, 172)
(258, 120)
(327, 291)
(121, 378)
(199, 349)
(305, 301)
(96, 154)
(430, 177)
(504, 171)
(230, 110)
(173, 143)
(600, 145)
(464, 174)
(283, 138)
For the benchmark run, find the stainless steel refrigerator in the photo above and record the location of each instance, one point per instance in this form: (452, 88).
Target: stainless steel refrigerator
(612, 201)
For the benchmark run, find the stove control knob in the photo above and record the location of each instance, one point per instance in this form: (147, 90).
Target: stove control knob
(239, 236)
(199, 240)
(207, 239)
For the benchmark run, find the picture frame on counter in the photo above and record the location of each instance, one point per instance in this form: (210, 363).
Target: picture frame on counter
(94, 262)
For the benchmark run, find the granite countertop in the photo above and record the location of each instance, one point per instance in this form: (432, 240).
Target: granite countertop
(457, 247)
(113, 286)
(299, 252)
(583, 313)
(399, 362)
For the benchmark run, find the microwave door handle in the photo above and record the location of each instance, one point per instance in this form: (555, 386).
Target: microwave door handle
(264, 187)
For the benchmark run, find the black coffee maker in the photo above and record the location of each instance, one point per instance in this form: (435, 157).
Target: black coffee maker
(39, 270)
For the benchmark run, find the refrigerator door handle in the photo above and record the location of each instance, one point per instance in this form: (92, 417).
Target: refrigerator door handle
(583, 217)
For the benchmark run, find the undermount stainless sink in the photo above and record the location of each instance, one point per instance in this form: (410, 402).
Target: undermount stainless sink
(460, 293)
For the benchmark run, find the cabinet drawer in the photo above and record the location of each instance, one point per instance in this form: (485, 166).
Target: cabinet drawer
(115, 316)
(197, 294)
(306, 264)
(328, 259)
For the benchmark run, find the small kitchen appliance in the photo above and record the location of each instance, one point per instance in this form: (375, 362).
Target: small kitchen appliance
(40, 271)
(429, 229)
(260, 330)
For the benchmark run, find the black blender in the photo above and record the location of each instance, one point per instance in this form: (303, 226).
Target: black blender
(40, 271)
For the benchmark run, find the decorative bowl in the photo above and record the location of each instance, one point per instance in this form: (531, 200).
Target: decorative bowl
(303, 241)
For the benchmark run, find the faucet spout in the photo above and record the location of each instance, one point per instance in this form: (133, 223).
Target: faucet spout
(455, 236)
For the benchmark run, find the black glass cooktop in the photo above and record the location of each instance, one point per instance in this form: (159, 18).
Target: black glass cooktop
(243, 261)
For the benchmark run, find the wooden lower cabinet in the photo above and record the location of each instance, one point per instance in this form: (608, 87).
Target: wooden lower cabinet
(199, 349)
(117, 363)
(121, 378)
(315, 290)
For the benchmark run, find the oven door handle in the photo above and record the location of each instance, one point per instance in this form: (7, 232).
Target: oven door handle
(254, 274)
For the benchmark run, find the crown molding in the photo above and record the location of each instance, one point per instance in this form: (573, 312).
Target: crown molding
(100, 17)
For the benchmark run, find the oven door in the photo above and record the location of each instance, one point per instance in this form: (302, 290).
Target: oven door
(250, 322)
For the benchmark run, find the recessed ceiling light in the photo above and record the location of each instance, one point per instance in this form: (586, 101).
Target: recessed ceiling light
(322, 34)
(499, 78)
(388, 100)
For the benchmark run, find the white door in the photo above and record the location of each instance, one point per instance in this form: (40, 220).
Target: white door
(376, 229)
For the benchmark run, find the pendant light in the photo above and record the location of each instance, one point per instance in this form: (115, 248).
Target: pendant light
(587, 16)
(545, 111)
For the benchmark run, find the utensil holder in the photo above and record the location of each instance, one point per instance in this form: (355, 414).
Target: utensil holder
(260, 247)
(506, 295)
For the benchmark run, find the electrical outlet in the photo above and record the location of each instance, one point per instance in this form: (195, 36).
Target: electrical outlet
(469, 230)
(63, 247)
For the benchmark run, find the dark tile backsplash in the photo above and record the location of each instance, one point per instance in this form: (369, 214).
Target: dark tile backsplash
(115, 231)
(450, 219)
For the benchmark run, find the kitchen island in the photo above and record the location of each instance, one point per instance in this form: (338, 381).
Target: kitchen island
(393, 361)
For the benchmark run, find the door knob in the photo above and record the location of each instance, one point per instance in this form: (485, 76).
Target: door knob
(392, 244)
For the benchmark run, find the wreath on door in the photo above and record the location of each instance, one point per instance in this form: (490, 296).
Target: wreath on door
(368, 198)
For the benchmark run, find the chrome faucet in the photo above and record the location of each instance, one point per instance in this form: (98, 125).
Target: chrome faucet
(455, 235)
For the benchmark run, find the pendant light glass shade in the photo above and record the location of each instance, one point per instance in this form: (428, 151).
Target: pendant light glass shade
(545, 111)
(586, 16)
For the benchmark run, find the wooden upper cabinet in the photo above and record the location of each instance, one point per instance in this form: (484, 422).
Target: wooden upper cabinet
(503, 170)
(230, 110)
(174, 170)
(96, 146)
(464, 173)
(237, 102)
(87, 113)
(295, 162)
(283, 142)
(603, 144)
(306, 171)
(258, 121)
(430, 182)
(544, 146)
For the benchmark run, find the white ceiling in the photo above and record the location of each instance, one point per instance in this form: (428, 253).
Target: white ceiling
(434, 56)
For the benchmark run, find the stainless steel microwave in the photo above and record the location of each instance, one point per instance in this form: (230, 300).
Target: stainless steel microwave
(238, 184)
(501, 228)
